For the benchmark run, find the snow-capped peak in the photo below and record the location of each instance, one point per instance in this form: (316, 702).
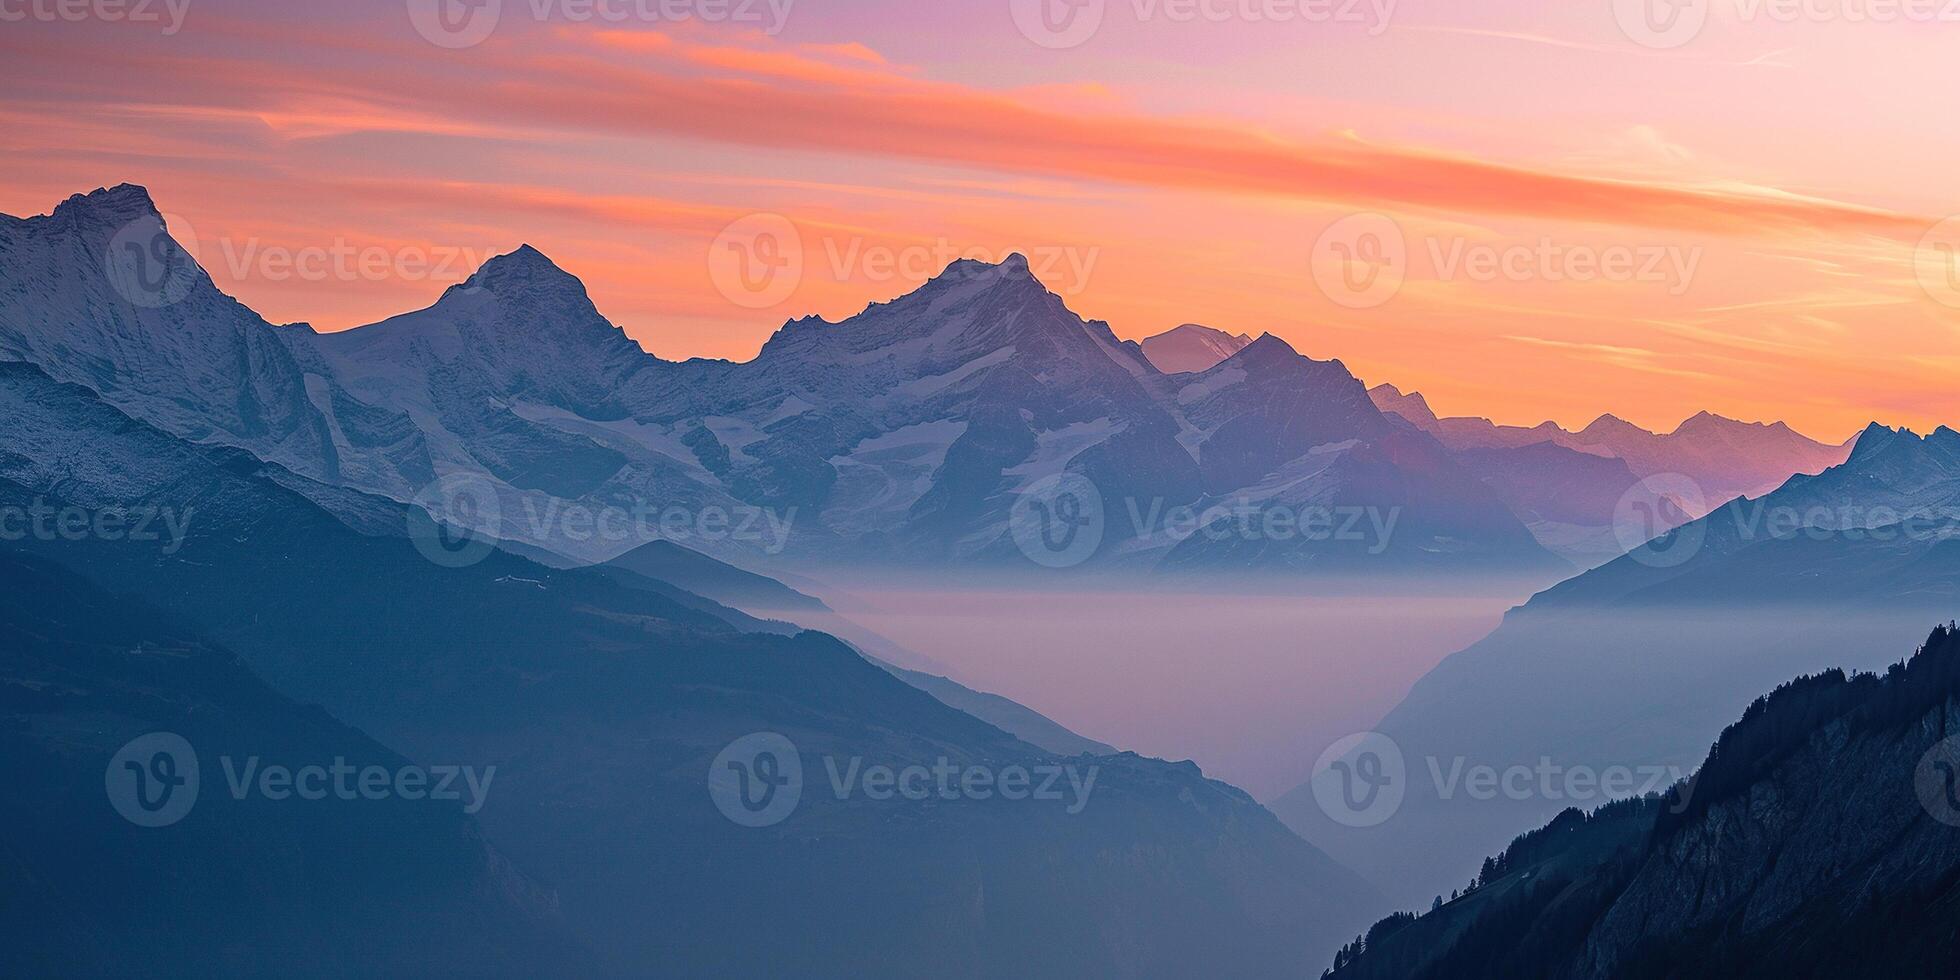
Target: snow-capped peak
(1192, 347)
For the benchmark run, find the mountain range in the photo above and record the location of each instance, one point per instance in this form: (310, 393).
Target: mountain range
(398, 543)
(1574, 488)
(908, 433)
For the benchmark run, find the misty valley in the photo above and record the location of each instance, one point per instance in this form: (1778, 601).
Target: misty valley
(1013, 489)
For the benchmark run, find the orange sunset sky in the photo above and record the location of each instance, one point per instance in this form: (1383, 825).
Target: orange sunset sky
(1780, 186)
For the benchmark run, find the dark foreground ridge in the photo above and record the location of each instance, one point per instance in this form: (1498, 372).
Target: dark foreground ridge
(1820, 838)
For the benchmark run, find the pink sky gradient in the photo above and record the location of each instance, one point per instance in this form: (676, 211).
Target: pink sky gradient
(1163, 171)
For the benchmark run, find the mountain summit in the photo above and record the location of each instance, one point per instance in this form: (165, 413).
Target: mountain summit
(109, 207)
(1192, 347)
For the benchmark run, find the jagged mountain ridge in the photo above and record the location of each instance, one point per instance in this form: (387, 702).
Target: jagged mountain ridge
(1728, 458)
(97, 293)
(1577, 505)
(902, 434)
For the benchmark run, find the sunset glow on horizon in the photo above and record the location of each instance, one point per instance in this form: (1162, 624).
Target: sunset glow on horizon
(1568, 246)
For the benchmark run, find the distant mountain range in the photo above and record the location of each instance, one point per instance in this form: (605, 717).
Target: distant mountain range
(1572, 488)
(1818, 838)
(1638, 662)
(907, 434)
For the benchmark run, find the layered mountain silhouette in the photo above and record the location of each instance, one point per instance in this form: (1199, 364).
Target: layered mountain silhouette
(602, 706)
(1818, 838)
(1636, 663)
(903, 435)
(1571, 488)
(318, 605)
